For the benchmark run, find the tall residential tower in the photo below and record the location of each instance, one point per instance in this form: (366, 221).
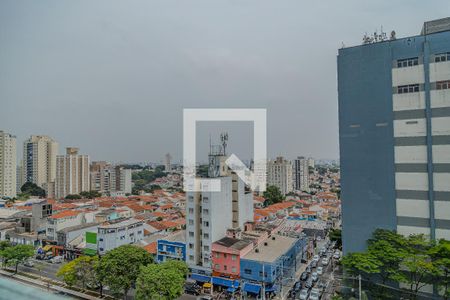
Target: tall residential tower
(394, 133)
(7, 165)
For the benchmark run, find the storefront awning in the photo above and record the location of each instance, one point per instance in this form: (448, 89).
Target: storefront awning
(231, 290)
(251, 287)
(225, 282)
(47, 248)
(201, 278)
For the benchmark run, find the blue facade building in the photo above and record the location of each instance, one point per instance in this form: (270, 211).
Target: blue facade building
(173, 247)
(394, 134)
(272, 261)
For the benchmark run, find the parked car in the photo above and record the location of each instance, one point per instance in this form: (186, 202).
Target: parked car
(297, 286)
(309, 283)
(313, 264)
(314, 276)
(304, 294)
(336, 254)
(315, 294)
(319, 238)
(304, 276)
(308, 270)
(321, 285)
(192, 288)
(319, 270)
(28, 263)
(316, 258)
(325, 261)
(57, 260)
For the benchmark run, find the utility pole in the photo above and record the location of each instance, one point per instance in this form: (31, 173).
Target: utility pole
(263, 287)
(359, 279)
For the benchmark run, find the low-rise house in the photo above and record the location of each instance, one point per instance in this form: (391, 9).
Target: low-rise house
(62, 220)
(226, 256)
(172, 247)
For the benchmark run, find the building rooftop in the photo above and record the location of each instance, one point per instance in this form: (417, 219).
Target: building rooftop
(178, 236)
(65, 214)
(273, 250)
(78, 227)
(434, 26)
(233, 243)
(124, 223)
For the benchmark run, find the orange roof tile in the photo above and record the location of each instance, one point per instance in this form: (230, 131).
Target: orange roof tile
(65, 214)
(151, 248)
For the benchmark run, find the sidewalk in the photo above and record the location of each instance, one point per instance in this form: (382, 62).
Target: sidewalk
(45, 285)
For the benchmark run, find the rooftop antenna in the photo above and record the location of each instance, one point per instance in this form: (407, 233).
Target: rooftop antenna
(224, 140)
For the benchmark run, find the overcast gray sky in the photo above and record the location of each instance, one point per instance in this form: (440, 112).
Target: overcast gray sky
(113, 77)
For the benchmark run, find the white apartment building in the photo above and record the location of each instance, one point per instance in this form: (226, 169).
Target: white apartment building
(301, 173)
(7, 165)
(210, 214)
(279, 174)
(117, 234)
(72, 173)
(39, 161)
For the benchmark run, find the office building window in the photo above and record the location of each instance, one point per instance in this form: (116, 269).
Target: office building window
(191, 222)
(191, 234)
(206, 236)
(206, 223)
(206, 248)
(443, 85)
(408, 62)
(411, 88)
(248, 271)
(441, 57)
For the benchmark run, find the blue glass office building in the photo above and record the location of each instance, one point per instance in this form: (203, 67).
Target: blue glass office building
(394, 134)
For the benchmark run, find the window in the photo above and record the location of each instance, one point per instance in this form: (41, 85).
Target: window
(441, 57)
(225, 268)
(191, 246)
(206, 223)
(191, 234)
(224, 255)
(411, 88)
(443, 85)
(233, 269)
(206, 236)
(408, 62)
(217, 267)
(261, 274)
(248, 271)
(191, 222)
(233, 257)
(191, 257)
(205, 211)
(217, 254)
(206, 248)
(191, 210)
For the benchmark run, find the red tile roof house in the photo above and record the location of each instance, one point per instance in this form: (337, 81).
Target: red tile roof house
(226, 256)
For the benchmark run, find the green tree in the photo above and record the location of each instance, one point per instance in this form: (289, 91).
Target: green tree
(16, 255)
(163, 282)
(417, 267)
(82, 270)
(90, 194)
(3, 246)
(440, 255)
(272, 194)
(32, 189)
(361, 263)
(73, 196)
(119, 268)
(336, 235)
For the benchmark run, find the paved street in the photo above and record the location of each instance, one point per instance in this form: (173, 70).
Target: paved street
(42, 268)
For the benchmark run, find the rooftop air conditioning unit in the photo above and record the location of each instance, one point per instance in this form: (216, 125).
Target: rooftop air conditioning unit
(257, 250)
(273, 238)
(265, 243)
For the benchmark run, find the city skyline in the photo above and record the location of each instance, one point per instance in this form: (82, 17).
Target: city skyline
(105, 84)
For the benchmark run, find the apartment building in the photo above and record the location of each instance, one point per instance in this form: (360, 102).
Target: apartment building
(64, 219)
(117, 234)
(394, 125)
(7, 165)
(279, 174)
(72, 173)
(39, 161)
(210, 214)
(301, 173)
(109, 180)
